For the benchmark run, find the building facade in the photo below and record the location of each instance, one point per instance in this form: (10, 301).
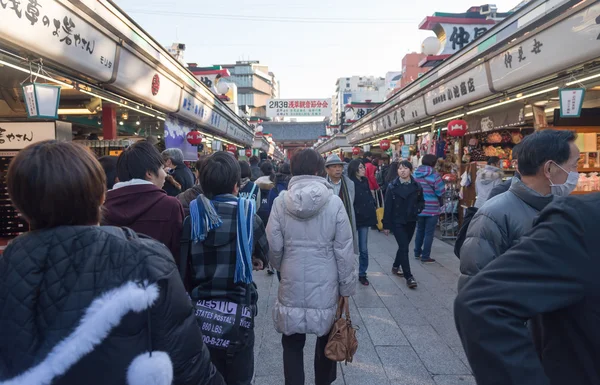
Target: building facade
(356, 89)
(255, 85)
(411, 69)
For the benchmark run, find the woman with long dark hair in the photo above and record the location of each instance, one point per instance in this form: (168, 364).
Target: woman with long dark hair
(364, 209)
(403, 203)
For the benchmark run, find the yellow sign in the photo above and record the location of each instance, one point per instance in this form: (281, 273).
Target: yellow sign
(115, 153)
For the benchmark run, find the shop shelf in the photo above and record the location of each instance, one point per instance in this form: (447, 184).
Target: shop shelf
(583, 192)
(589, 169)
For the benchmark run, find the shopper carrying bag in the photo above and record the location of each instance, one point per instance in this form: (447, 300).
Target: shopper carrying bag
(342, 344)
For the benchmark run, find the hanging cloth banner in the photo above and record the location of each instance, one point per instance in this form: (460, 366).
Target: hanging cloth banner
(571, 101)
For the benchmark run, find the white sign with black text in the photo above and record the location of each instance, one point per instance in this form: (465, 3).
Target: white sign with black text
(16, 136)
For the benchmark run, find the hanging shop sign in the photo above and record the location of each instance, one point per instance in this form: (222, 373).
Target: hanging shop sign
(53, 31)
(571, 101)
(573, 40)
(16, 136)
(237, 133)
(466, 88)
(137, 78)
(401, 116)
(194, 138)
(539, 117)
(248, 152)
(176, 136)
(356, 151)
(405, 152)
(41, 100)
(496, 119)
(231, 148)
(196, 111)
(298, 107)
(385, 144)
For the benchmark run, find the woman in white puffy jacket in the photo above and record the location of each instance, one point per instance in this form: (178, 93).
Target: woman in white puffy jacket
(311, 244)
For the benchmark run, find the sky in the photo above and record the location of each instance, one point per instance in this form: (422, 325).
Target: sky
(307, 44)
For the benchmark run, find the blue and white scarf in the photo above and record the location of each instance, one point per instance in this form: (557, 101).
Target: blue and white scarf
(204, 218)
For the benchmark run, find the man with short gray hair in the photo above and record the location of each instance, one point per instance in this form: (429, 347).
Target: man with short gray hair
(179, 176)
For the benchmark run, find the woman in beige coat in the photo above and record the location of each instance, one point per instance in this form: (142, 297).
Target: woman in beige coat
(310, 240)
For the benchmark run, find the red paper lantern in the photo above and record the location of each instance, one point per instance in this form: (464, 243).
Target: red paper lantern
(248, 153)
(232, 148)
(457, 128)
(194, 138)
(449, 178)
(385, 144)
(356, 151)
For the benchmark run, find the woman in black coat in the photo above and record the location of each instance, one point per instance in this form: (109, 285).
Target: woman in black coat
(82, 303)
(364, 209)
(403, 202)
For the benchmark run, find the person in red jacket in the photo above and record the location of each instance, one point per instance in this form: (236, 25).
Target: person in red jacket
(138, 200)
(370, 171)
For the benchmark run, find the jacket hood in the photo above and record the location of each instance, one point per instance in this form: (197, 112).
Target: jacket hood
(307, 195)
(423, 171)
(489, 174)
(126, 204)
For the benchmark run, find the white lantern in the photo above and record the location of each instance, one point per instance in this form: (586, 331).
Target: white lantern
(431, 46)
(41, 100)
(222, 87)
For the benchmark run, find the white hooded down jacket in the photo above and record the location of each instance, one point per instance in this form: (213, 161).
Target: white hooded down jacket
(310, 241)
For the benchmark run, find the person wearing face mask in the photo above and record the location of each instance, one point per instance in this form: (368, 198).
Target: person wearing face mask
(548, 168)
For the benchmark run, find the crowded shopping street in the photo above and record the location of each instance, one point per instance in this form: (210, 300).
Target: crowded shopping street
(299, 193)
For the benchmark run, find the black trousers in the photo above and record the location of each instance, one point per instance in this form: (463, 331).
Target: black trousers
(403, 234)
(293, 361)
(239, 368)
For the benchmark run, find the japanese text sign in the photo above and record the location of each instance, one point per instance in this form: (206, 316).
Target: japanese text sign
(298, 107)
(16, 136)
(571, 101)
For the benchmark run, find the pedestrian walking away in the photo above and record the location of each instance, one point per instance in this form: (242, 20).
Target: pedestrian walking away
(487, 178)
(404, 201)
(364, 211)
(433, 190)
(99, 305)
(224, 240)
(181, 174)
(138, 200)
(310, 241)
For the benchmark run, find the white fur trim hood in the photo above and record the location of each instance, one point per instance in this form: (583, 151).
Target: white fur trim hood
(103, 314)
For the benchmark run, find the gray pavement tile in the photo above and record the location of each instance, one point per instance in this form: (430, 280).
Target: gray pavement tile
(403, 366)
(460, 352)
(382, 327)
(366, 297)
(433, 351)
(454, 380)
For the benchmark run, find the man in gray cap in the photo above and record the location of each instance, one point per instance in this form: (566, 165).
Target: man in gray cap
(344, 188)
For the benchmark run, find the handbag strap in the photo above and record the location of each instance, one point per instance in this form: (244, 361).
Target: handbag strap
(347, 310)
(340, 308)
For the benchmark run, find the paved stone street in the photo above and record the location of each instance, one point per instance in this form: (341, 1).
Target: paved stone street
(406, 337)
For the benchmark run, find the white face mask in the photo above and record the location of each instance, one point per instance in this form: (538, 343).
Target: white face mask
(565, 189)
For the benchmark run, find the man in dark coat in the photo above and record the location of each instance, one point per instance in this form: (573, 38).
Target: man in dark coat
(550, 275)
(254, 168)
(138, 200)
(181, 174)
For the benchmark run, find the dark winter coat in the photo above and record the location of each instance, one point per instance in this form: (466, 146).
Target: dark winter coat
(186, 197)
(255, 173)
(550, 275)
(146, 209)
(214, 259)
(364, 203)
(403, 203)
(182, 175)
(503, 187)
(80, 303)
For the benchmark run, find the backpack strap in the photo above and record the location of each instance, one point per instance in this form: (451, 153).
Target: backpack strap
(252, 191)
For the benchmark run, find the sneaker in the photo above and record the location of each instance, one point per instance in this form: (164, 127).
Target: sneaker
(397, 271)
(411, 283)
(364, 281)
(417, 257)
(427, 260)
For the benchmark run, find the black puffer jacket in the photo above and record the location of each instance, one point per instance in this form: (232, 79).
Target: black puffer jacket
(80, 303)
(403, 203)
(364, 203)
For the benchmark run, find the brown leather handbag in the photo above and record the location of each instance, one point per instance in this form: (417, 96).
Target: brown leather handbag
(342, 344)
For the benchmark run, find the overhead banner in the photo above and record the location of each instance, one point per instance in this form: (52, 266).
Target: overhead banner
(496, 119)
(571, 101)
(298, 107)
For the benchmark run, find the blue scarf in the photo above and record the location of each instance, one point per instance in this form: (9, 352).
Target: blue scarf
(204, 218)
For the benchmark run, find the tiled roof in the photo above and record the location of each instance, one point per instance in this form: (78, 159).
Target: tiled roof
(286, 131)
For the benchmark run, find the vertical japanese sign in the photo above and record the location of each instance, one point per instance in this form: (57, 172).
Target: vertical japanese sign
(571, 101)
(298, 107)
(461, 35)
(16, 136)
(51, 30)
